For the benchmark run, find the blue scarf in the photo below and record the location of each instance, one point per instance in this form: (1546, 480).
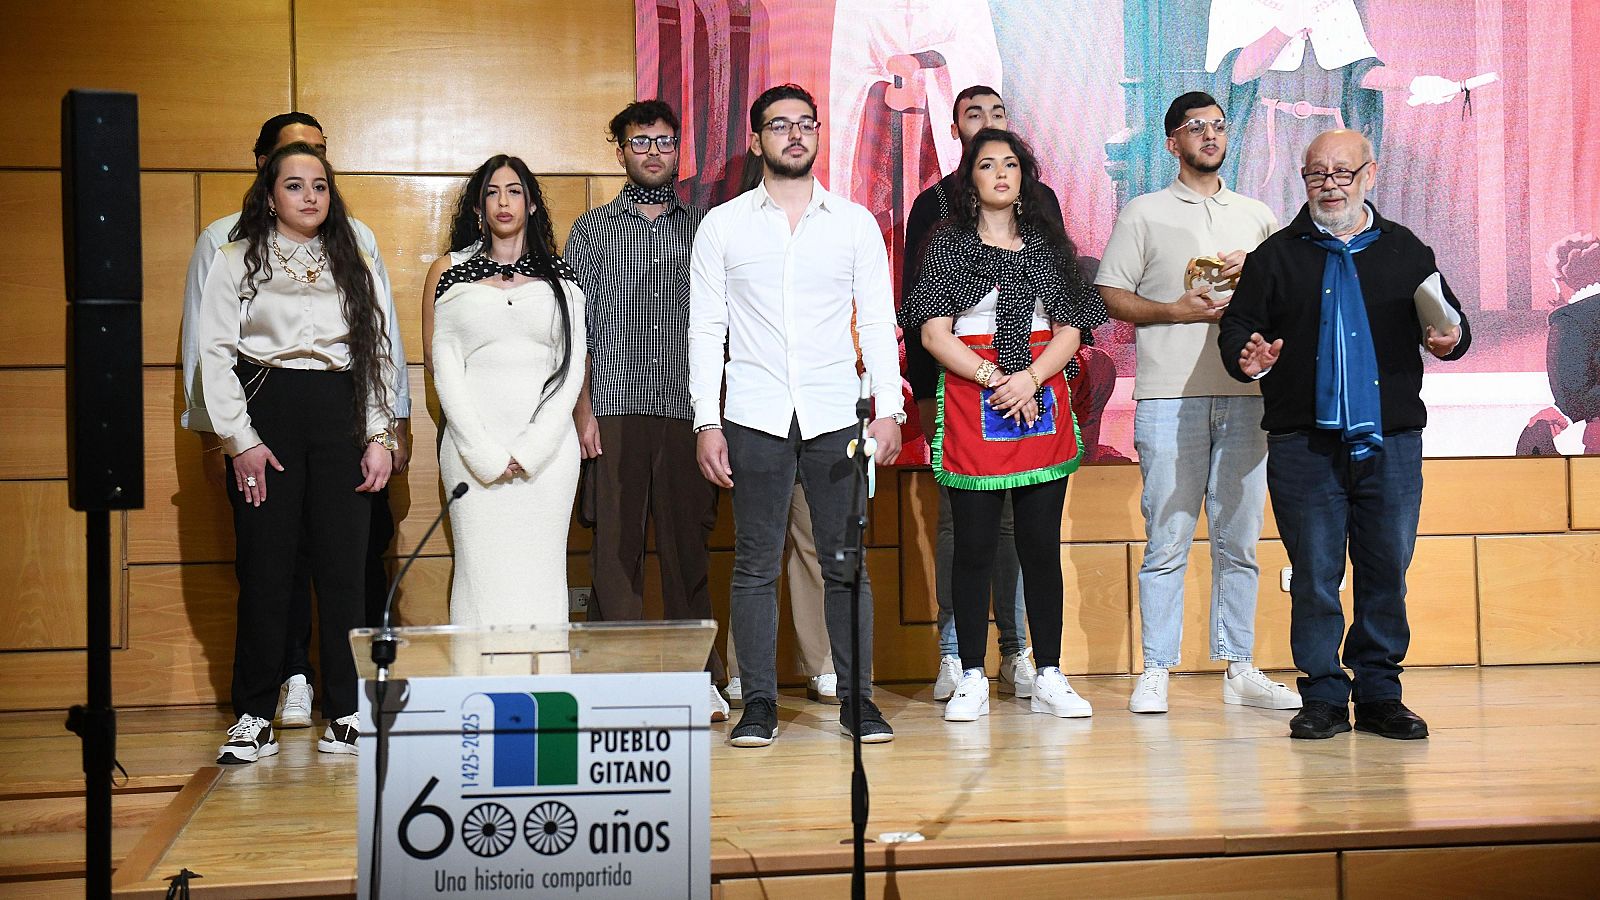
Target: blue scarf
(1347, 365)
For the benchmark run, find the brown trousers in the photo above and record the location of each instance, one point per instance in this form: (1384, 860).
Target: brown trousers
(804, 578)
(647, 472)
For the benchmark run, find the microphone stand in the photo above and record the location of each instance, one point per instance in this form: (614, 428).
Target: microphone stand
(385, 647)
(856, 537)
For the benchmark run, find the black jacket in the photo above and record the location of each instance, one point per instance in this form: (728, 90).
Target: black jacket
(1280, 296)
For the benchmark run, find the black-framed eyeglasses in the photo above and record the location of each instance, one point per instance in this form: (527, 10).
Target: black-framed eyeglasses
(1340, 177)
(1197, 127)
(782, 127)
(665, 143)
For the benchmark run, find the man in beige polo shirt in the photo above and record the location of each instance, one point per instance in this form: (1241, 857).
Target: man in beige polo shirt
(1198, 431)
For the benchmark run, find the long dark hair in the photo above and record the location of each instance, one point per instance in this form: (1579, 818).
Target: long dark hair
(538, 244)
(1033, 195)
(368, 339)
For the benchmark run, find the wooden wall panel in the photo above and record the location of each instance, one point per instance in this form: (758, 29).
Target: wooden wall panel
(1584, 479)
(411, 217)
(1493, 496)
(412, 90)
(1536, 597)
(1095, 630)
(1535, 870)
(1440, 605)
(180, 636)
(167, 211)
(207, 75)
(222, 193)
(33, 423)
(185, 516)
(32, 283)
(1290, 876)
(33, 287)
(1103, 505)
(42, 562)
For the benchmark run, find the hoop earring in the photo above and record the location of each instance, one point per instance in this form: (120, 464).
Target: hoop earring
(272, 211)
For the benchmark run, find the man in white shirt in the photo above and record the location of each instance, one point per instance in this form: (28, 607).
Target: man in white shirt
(776, 276)
(1197, 429)
(282, 129)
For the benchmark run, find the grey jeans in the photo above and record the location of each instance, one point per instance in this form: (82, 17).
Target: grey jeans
(764, 471)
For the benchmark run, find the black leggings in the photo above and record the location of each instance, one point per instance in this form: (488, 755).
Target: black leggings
(976, 515)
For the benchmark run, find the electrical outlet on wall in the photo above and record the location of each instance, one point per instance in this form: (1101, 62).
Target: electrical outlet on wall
(1288, 573)
(579, 598)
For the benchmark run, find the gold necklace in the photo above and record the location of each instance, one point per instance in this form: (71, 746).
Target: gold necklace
(312, 274)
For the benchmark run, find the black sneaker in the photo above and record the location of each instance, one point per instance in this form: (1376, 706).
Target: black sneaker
(1390, 719)
(340, 735)
(874, 730)
(1318, 720)
(249, 739)
(758, 726)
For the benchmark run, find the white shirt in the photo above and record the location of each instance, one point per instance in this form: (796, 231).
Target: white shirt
(195, 417)
(287, 324)
(781, 304)
(980, 318)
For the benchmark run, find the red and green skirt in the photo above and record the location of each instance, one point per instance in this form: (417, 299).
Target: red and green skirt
(977, 448)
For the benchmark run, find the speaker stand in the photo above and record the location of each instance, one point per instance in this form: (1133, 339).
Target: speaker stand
(96, 723)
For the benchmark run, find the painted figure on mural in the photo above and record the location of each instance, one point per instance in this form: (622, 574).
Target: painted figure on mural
(1296, 68)
(1572, 349)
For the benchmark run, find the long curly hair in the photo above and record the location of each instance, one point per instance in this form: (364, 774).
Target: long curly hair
(1033, 196)
(538, 243)
(358, 294)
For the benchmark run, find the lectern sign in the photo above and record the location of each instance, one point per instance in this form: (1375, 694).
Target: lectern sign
(541, 786)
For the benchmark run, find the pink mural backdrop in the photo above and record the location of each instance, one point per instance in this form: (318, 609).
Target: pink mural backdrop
(1499, 179)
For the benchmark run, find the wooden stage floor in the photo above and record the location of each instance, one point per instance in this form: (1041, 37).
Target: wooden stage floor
(1208, 799)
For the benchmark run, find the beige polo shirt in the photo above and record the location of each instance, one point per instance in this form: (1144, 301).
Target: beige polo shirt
(1155, 237)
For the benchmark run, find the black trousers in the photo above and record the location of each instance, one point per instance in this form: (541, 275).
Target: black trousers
(1036, 514)
(297, 647)
(304, 419)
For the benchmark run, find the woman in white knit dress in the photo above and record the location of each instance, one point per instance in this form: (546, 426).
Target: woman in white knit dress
(507, 366)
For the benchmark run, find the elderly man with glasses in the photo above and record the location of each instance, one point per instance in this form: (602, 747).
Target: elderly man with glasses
(1326, 320)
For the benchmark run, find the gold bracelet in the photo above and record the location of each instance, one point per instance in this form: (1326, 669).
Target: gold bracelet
(986, 370)
(1035, 376)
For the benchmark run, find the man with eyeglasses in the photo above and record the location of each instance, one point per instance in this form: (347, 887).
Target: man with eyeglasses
(777, 275)
(631, 257)
(1325, 317)
(1197, 430)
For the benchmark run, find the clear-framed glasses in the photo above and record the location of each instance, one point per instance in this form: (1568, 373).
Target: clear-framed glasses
(782, 127)
(1197, 127)
(665, 143)
(1340, 177)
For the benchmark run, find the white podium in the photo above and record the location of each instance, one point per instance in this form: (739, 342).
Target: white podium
(559, 761)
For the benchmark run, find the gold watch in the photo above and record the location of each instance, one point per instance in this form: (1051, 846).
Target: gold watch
(385, 438)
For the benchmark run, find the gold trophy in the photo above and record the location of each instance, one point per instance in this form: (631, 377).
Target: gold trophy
(1208, 270)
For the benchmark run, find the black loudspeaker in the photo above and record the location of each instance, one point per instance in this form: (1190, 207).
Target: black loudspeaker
(100, 239)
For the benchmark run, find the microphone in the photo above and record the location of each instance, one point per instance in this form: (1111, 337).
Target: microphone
(385, 645)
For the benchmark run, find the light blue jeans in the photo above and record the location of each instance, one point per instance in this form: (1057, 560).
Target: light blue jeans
(1194, 449)
(1005, 586)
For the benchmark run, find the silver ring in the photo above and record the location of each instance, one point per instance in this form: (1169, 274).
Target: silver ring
(249, 481)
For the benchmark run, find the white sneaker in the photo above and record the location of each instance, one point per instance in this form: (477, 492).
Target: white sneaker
(1017, 673)
(735, 692)
(970, 698)
(1150, 694)
(296, 709)
(340, 735)
(949, 676)
(1053, 694)
(1254, 688)
(719, 706)
(823, 688)
(249, 739)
